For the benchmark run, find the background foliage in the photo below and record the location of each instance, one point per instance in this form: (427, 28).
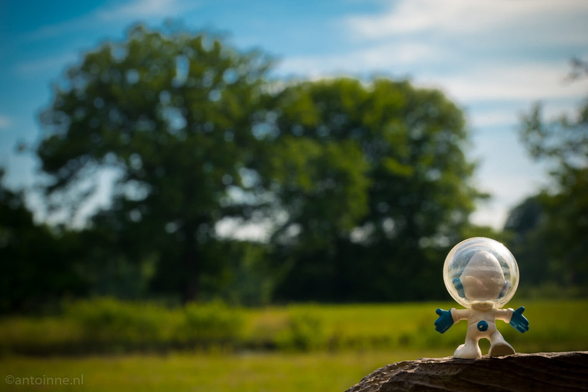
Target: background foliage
(550, 228)
(358, 188)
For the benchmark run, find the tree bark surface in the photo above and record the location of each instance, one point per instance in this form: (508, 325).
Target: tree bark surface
(563, 371)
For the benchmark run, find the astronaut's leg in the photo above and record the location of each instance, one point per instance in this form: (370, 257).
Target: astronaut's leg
(499, 346)
(470, 349)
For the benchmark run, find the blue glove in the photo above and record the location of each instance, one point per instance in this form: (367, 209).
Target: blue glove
(518, 321)
(444, 322)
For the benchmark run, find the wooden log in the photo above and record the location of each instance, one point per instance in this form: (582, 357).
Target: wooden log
(565, 371)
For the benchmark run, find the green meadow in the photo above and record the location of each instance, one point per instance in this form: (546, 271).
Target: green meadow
(243, 372)
(126, 347)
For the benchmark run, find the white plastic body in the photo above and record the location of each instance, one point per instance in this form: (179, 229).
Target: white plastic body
(482, 312)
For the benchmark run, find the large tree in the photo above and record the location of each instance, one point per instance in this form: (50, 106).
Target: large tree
(175, 115)
(189, 125)
(413, 204)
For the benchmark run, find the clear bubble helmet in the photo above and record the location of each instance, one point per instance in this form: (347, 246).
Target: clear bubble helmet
(481, 270)
(482, 275)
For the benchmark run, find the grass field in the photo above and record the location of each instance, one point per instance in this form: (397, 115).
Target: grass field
(206, 373)
(116, 328)
(343, 343)
(554, 325)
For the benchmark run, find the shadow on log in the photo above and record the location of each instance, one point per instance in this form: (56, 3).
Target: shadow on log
(567, 371)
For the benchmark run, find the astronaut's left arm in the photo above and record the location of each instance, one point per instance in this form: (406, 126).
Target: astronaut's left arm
(514, 318)
(503, 314)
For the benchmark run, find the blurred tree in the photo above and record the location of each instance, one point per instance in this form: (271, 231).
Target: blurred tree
(552, 227)
(35, 266)
(365, 186)
(527, 242)
(412, 202)
(174, 114)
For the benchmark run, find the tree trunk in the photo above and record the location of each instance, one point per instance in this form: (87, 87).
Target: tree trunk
(191, 262)
(191, 286)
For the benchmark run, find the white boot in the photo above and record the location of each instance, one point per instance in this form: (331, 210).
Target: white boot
(469, 350)
(499, 346)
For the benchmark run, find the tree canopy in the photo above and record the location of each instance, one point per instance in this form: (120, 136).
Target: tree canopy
(551, 227)
(413, 203)
(175, 115)
(362, 186)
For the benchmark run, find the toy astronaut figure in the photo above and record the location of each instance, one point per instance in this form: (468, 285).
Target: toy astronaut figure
(482, 275)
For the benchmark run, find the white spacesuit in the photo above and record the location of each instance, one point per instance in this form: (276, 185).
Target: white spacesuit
(482, 282)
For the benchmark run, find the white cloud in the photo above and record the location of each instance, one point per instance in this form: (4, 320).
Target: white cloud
(508, 116)
(5, 121)
(58, 29)
(386, 57)
(505, 81)
(493, 117)
(137, 9)
(489, 215)
(507, 192)
(55, 62)
(122, 12)
(467, 17)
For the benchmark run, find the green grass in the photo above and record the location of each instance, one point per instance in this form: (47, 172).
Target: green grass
(554, 325)
(114, 328)
(344, 343)
(307, 372)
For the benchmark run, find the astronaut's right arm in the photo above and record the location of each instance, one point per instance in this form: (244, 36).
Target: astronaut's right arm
(460, 314)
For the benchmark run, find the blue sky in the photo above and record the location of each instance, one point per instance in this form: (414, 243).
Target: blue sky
(493, 57)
